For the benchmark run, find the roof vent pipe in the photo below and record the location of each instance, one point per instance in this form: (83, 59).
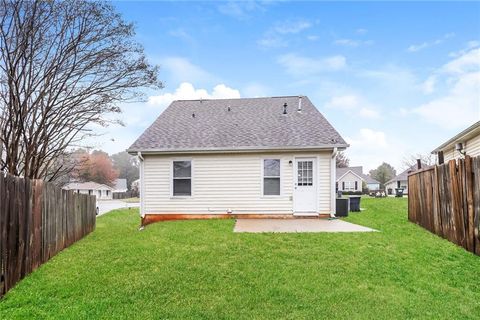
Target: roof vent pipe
(285, 108)
(299, 104)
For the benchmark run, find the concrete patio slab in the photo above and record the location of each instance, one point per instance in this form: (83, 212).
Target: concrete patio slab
(297, 225)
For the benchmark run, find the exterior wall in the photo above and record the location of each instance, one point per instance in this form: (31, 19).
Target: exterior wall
(471, 147)
(229, 181)
(393, 185)
(100, 194)
(350, 177)
(373, 186)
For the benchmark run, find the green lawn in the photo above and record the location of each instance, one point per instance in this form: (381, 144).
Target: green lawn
(200, 269)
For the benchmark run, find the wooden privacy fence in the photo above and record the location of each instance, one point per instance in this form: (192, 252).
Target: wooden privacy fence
(445, 200)
(37, 220)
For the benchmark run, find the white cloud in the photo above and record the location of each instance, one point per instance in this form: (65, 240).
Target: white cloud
(369, 139)
(460, 105)
(361, 31)
(469, 45)
(368, 113)
(182, 70)
(370, 147)
(469, 61)
(313, 37)
(429, 85)
(272, 41)
(241, 10)
(291, 26)
(347, 102)
(301, 66)
(459, 108)
(352, 42)
(181, 34)
(187, 91)
(428, 44)
(354, 105)
(275, 36)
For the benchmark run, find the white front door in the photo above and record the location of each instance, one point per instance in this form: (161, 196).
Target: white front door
(305, 186)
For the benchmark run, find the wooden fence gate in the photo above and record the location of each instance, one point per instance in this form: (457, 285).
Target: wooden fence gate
(37, 220)
(445, 199)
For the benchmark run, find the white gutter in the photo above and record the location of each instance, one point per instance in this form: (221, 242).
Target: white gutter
(333, 180)
(326, 147)
(142, 184)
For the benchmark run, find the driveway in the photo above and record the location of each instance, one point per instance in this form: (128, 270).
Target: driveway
(297, 225)
(105, 206)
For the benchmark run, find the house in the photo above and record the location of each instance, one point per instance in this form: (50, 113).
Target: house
(466, 142)
(251, 156)
(101, 191)
(351, 179)
(120, 186)
(136, 185)
(400, 181)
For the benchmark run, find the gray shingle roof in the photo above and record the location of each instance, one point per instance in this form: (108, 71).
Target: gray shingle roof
(358, 171)
(90, 185)
(238, 124)
(404, 175)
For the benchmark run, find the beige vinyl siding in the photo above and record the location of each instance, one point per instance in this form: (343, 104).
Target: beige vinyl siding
(324, 183)
(228, 181)
(350, 177)
(472, 148)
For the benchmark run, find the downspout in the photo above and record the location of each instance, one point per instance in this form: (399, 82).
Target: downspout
(333, 179)
(142, 185)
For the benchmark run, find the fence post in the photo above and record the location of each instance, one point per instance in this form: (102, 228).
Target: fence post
(440, 157)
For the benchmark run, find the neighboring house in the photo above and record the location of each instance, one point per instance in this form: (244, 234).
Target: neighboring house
(136, 185)
(120, 186)
(372, 184)
(101, 191)
(351, 179)
(466, 142)
(400, 181)
(252, 156)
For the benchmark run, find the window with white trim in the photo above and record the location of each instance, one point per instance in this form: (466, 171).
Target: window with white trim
(349, 186)
(182, 178)
(271, 177)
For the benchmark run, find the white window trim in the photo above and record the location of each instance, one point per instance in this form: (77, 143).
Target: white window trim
(349, 186)
(262, 177)
(191, 178)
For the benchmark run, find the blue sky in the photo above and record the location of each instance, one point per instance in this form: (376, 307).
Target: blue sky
(395, 79)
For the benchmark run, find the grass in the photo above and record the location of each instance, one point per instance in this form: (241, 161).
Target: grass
(200, 269)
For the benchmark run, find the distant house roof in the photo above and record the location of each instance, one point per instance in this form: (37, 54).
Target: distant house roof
(120, 185)
(86, 186)
(340, 172)
(404, 175)
(466, 134)
(239, 125)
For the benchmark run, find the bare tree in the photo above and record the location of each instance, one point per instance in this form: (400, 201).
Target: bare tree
(64, 66)
(426, 159)
(342, 160)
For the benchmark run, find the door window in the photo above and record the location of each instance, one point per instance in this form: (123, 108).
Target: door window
(305, 173)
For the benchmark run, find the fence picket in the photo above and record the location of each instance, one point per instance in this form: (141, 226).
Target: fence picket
(445, 200)
(38, 220)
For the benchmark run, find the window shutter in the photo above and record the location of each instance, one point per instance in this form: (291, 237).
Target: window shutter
(356, 185)
(343, 185)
